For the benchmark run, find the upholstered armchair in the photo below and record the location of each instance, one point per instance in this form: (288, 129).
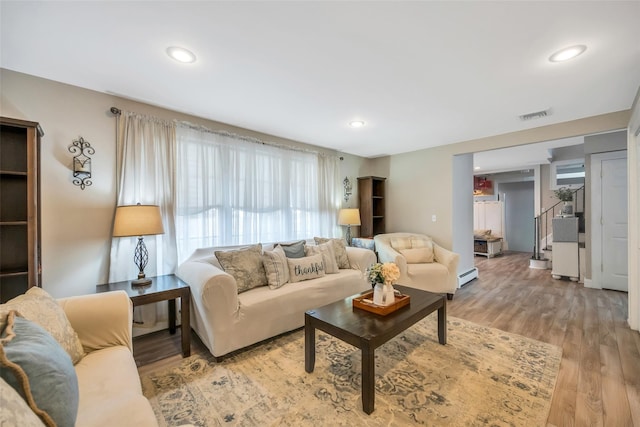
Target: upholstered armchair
(423, 264)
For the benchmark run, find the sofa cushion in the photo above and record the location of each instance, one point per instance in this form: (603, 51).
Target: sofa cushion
(276, 267)
(245, 265)
(418, 255)
(306, 268)
(339, 248)
(14, 411)
(37, 366)
(40, 307)
(125, 405)
(328, 256)
(293, 249)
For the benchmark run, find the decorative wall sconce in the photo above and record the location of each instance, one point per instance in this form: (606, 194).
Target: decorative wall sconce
(81, 162)
(347, 188)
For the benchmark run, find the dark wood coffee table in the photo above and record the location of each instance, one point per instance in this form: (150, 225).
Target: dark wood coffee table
(368, 331)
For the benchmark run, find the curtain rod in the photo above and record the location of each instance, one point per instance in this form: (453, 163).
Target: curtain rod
(116, 111)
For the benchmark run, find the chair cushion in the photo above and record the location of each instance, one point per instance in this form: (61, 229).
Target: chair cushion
(40, 307)
(399, 243)
(418, 255)
(36, 366)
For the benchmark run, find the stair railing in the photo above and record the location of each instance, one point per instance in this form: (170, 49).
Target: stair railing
(541, 222)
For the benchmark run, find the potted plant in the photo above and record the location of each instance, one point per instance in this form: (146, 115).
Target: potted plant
(565, 194)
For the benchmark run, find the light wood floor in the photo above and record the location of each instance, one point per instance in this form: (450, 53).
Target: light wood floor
(599, 379)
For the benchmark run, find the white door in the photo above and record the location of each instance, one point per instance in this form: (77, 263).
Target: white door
(611, 221)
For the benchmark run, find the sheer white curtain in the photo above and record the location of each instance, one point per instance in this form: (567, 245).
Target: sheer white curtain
(233, 191)
(146, 158)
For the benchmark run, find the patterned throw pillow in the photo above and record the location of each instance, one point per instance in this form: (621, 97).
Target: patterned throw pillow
(328, 256)
(40, 307)
(293, 250)
(14, 411)
(245, 265)
(305, 268)
(35, 365)
(421, 242)
(418, 255)
(276, 267)
(339, 248)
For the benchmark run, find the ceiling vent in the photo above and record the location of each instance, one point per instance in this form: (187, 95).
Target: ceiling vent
(535, 115)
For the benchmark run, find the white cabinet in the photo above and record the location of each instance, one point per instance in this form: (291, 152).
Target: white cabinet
(489, 216)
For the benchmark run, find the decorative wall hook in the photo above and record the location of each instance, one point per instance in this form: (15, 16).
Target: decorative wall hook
(347, 188)
(81, 162)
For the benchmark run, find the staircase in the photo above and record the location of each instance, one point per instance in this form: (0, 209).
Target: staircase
(543, 235)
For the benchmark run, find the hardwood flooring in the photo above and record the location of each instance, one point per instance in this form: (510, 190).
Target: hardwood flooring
(599, 379)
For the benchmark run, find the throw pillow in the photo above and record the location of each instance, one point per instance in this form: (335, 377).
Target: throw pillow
(40, 307)
(276, 267)
(35, 365)
(417, 255)
(14, 411)
(294, 249)
(245, 265)
(339, 248)
(421, 242)
(328, 256)
(305, 268)
(399, 243)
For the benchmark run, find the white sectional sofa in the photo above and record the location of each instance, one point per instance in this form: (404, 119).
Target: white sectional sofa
(226, 320)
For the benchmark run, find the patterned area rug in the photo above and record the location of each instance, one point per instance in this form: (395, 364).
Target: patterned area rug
(482, 377)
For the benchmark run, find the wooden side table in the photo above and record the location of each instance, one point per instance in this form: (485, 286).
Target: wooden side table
(162, 288)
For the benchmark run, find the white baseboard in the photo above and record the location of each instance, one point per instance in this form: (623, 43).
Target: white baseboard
(466, 277)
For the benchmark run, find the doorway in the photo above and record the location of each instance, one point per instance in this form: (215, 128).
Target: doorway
(610, 221)
(519, 211)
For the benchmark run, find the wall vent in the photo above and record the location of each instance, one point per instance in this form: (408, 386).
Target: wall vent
(535, 115)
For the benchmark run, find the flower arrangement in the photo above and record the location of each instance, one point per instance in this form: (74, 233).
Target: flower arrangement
(564, 194)
(387, 273)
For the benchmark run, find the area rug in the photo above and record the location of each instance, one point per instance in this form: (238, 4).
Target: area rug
(481, 377)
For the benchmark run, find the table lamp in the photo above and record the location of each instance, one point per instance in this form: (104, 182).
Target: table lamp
(349, 217)
(138, 220)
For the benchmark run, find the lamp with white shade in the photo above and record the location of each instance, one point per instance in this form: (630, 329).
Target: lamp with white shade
(138, 220)
(349, 217)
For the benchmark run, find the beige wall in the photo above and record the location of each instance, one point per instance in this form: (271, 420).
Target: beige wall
(76, 224)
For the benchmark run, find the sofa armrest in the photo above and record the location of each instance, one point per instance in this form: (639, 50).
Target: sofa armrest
(211, 287)
(449, 259)
(361, 258)
(100, 320)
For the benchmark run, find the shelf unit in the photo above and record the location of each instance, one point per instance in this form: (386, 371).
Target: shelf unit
(19, 207)
(371, 192)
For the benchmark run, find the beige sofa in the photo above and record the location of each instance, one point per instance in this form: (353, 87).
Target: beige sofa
(226, 321)
(438, 276)
(110, 393)
(110, 390)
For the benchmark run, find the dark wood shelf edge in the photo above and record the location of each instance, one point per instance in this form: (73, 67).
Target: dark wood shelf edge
(13, 173)
(14, 223)
(13, 273)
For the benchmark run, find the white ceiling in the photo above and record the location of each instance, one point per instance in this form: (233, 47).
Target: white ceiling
(420, 74)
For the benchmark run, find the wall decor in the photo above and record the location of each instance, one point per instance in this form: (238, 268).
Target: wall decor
(81, 162)
(348, 188)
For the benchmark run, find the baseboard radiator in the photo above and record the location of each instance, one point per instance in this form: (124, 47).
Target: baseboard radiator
(467, 276)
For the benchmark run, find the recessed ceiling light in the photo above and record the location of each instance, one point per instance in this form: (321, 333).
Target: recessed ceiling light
(567, 53)
(356, 124)
(181, 54)
(477, 168)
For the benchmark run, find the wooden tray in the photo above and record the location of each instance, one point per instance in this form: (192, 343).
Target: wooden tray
(383, 310)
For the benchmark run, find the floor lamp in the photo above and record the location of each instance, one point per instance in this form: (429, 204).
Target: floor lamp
(138, 220)
(349, 217)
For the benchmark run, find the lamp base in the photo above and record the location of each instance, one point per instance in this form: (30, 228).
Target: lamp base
(140, 282)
